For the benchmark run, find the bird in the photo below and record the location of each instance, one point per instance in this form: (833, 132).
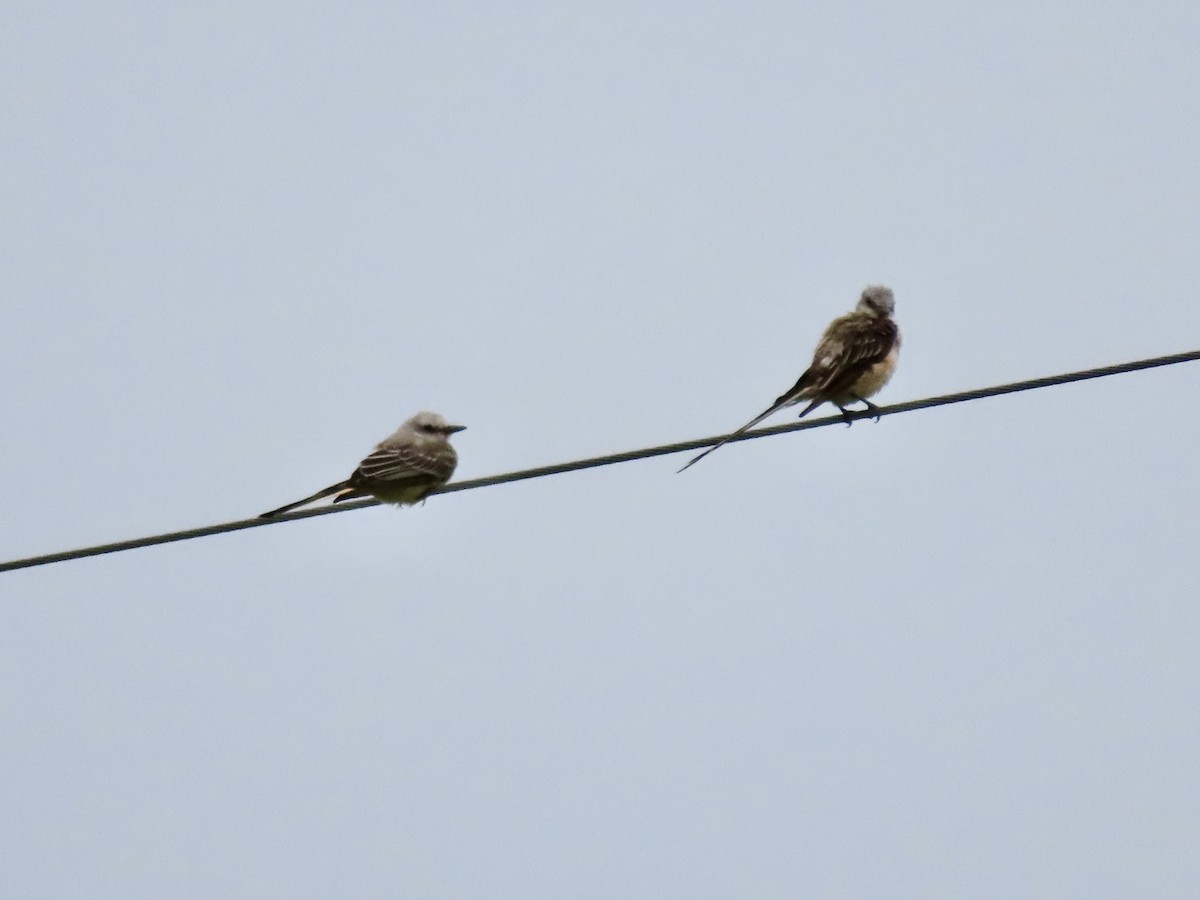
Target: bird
(854, 359)
(404, 468)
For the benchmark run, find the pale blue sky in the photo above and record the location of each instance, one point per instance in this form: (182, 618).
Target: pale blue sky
(952, 654)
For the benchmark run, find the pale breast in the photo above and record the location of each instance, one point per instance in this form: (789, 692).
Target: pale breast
(871, 382)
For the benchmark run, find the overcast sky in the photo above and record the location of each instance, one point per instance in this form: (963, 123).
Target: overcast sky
(955, 653)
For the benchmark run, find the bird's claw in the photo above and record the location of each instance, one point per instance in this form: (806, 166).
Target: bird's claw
(871, 410)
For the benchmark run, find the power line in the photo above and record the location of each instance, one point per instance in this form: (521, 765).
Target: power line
(614, 458)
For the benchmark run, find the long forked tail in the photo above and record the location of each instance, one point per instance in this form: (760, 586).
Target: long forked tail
(789, 398)
(729, 437)
(319, 495)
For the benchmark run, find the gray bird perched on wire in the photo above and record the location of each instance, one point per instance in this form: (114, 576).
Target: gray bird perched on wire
(403, 468)
(853, 361)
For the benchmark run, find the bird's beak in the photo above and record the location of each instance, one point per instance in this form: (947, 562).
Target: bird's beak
(455, 429)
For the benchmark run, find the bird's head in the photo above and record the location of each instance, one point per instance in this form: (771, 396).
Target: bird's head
(877, 300)
(430, 424)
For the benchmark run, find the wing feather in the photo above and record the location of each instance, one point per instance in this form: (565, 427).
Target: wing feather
(406, 464)
(851, 345)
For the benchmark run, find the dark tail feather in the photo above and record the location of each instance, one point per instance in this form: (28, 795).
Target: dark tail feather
(729, 437)
(792, 395)
(811, 407)
(319, 495)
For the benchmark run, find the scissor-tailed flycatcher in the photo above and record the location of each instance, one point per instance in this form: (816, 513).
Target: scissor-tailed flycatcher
(403, 468)
(854, 360)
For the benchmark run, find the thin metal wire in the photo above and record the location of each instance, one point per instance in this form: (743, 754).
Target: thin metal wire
(614, 458)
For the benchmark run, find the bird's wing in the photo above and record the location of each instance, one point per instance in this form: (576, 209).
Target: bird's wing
(406, 463)
(851, 345)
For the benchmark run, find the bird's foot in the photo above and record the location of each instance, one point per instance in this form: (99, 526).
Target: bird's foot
(871, 409)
